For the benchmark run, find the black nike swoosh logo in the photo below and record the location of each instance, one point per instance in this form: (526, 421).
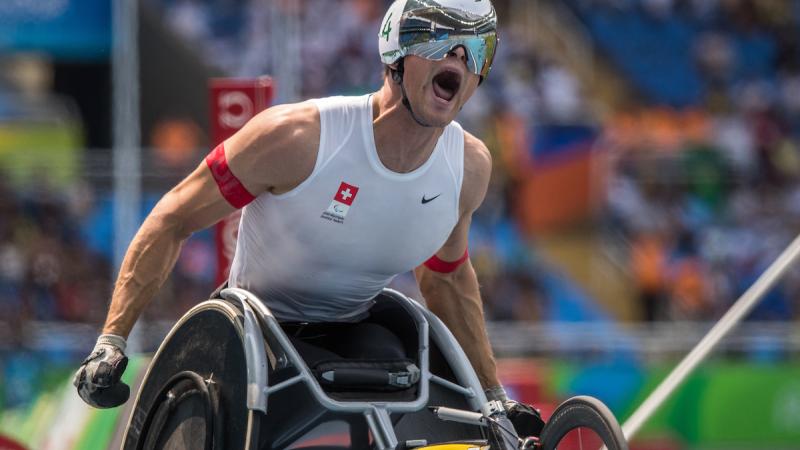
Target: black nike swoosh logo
(426, 200)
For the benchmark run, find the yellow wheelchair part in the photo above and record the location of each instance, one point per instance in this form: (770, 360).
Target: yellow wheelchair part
(456, 446)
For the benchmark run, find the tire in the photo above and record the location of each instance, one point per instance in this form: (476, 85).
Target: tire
(193, 395)
(585, 413)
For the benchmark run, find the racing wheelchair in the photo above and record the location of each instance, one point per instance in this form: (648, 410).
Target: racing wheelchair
(230, 376)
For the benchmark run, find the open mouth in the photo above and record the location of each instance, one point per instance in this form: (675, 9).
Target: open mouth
(446, 84)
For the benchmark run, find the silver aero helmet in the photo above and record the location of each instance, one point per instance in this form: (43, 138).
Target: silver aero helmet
(431, 29)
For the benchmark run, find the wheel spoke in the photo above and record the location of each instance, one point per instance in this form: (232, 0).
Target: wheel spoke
(580, 439)
(582, 423)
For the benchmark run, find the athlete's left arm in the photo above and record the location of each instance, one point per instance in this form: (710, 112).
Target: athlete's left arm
(450, 287)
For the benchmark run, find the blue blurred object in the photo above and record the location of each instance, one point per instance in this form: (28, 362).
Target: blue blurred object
(658, 54)
(561, 141)
(20, 374)
(98, 227)
(615, 382)
(569, 303)
(756, 53)
(655, 54)
(65, 29)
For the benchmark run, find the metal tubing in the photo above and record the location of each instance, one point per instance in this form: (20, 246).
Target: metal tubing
(457, 359)
(380, 424)
(284, 384)
(255, 354)
(452, 386)
(459, 415)
(734, 315)
(308, 378)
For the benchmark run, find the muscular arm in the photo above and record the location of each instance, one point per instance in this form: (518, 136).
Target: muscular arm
(274, 152)
(193, 204)
(455, 297)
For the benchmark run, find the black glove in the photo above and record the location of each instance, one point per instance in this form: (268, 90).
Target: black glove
(501, 433)
(98, 378)
(526, 419)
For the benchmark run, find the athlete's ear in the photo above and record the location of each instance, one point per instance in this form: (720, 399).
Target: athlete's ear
(396, 70)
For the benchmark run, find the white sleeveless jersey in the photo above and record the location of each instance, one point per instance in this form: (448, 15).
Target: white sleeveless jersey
(322, 251)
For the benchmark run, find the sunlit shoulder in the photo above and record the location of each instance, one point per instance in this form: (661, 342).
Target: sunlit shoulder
(277, 149)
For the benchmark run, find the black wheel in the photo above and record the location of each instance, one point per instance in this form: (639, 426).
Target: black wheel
(194, 394)
(582, 423)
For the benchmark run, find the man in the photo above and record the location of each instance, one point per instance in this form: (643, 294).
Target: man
(340, 195)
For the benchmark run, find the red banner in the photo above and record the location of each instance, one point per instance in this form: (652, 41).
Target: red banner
(234, 101)
(6, 443)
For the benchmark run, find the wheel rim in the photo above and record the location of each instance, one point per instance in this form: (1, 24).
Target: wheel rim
(582, 423)
(581, 438)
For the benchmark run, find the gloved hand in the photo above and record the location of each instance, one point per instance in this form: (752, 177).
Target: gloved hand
(527, 420)
(98, 378)
(502, 435)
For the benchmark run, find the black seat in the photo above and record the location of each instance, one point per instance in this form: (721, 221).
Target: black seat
(374, 359)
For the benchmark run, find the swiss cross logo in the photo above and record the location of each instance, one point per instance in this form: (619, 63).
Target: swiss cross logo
(342, 201)
(346, 193)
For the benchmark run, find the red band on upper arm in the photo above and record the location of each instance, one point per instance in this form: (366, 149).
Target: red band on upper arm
(437, 265)
(230, 186)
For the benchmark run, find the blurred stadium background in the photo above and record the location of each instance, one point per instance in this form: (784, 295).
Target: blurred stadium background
(646, 171)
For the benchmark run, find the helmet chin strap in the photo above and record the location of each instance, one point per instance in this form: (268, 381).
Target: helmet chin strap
(397, 76)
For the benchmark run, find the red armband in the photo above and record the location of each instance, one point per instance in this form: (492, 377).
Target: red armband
(229, 186)
(437, 265)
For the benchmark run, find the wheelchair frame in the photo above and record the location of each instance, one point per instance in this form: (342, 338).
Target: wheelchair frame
(377, 414)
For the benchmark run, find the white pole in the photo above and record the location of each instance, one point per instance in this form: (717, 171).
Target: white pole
(285, 63)
(126, 127)
(734, 315)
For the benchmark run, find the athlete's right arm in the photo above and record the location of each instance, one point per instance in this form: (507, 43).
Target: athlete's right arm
(274, 152)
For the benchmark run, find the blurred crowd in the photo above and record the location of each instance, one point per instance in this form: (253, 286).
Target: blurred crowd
(705, 196)
(55, 259)
(339, 56)
(47, 272)
(701, 197)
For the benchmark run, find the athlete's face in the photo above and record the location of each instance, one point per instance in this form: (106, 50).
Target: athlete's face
(438, 89)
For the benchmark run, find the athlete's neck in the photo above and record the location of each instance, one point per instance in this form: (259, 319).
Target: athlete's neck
(402, 144)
